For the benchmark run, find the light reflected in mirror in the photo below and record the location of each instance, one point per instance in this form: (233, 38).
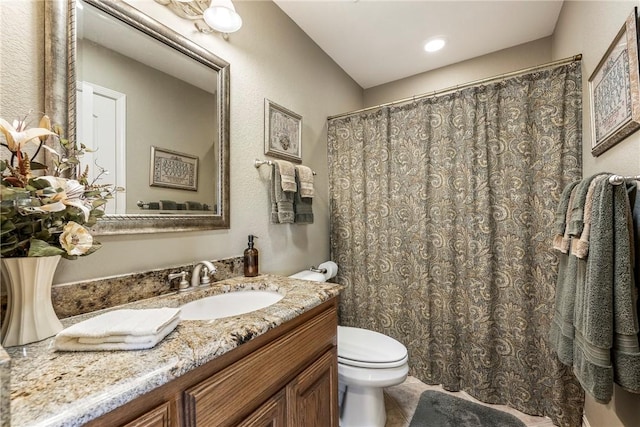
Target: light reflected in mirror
(154, 106)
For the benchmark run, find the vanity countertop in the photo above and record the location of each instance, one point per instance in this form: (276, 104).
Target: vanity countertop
(50, 388)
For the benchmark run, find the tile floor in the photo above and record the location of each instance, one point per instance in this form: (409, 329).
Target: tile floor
(401, 402)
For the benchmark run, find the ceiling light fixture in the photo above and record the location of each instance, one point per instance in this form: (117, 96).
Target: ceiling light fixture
(434, 45)
(221, 15)
(217, 16)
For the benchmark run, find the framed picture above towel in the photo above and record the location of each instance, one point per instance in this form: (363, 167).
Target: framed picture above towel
(614, 89)
(282, 132)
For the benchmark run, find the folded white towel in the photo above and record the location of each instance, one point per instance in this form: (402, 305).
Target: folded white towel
(119, 330)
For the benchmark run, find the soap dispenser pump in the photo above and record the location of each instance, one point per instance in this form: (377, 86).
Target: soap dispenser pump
(251, 259)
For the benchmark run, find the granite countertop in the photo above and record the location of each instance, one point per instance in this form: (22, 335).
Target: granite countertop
(50, 388)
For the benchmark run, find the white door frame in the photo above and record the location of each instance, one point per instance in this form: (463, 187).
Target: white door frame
(86, 90)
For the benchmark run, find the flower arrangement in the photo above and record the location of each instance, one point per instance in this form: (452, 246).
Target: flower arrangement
(48, 214)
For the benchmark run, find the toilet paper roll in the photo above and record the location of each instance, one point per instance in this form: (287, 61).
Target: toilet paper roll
(331, 267)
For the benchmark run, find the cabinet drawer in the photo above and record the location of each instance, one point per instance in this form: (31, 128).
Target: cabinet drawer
(231, 394)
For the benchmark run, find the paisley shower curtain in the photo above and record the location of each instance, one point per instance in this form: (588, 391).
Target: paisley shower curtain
(441, 224)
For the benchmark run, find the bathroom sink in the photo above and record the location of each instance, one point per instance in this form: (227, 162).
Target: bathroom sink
(228, 304)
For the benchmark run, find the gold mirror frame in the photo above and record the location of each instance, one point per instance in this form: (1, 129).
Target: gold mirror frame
(60, 104)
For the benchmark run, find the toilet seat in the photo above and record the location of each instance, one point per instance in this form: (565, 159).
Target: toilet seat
(369, 349)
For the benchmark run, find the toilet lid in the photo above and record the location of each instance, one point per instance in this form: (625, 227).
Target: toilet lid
(370, 349)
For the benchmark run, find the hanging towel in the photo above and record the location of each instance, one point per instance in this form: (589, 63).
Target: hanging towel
(575, 221)
(626, 346)
(303, 206)
(636, 235)
(606, 326)
(580, 248)
(565, 244)
(281, 201)
(561, 334)
(119, 330)
(304, 179)
(561, 215)
(287, 175)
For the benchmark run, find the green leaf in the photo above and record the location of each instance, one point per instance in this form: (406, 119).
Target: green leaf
(42, 248)
(13, 193)
(7, 226)
(10, 243)
(37, 166)
(98, 202)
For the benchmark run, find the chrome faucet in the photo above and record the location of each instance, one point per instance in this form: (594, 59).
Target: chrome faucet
(208, 270)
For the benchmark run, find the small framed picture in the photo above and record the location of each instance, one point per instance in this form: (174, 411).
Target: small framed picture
(282, 132)
(614, 89)
(173, 170)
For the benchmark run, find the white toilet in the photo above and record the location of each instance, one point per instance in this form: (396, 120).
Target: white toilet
(368, 361)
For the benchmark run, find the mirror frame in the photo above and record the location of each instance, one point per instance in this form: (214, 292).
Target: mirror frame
(60, 105)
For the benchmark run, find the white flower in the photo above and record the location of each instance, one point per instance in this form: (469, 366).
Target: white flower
(17, 135)
(75, 239)
(72, 194)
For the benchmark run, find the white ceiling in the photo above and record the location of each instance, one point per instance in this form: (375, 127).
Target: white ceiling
(379, 41)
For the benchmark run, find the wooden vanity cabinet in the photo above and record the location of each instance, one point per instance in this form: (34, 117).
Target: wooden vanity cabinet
(286, 377)
(273, 413)
(313, 395)
(158, 417)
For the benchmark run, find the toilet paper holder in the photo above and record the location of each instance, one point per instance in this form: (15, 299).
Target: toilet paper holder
(318, 270)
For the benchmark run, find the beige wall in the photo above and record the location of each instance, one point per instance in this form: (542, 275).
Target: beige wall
(589, 27)
(270, 58)
(503, 61)
(21, 75)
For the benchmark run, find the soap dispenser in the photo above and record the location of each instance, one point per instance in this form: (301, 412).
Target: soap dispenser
(251, 259)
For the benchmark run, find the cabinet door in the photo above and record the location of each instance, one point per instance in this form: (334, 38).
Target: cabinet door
(271, 414)
(158, 417)
(312, 397)
(233, 393)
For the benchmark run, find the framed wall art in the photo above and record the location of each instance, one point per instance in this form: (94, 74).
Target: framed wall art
(614, 90)
(173, 170)
(282, 132)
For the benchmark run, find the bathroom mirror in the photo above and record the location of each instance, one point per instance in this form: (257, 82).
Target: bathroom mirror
(153, 103)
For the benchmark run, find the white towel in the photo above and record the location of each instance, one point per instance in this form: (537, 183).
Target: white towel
(119, 330)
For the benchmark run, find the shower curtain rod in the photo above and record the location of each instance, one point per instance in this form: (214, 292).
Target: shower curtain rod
(574, 58)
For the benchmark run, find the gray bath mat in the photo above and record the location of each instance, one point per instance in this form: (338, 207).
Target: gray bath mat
(443, 410)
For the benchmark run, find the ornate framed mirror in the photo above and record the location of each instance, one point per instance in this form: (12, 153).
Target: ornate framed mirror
(154, 104)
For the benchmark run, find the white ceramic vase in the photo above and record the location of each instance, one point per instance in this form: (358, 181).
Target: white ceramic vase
(30, 316)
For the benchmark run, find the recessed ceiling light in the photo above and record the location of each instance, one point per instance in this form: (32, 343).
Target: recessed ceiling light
(434, 45)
